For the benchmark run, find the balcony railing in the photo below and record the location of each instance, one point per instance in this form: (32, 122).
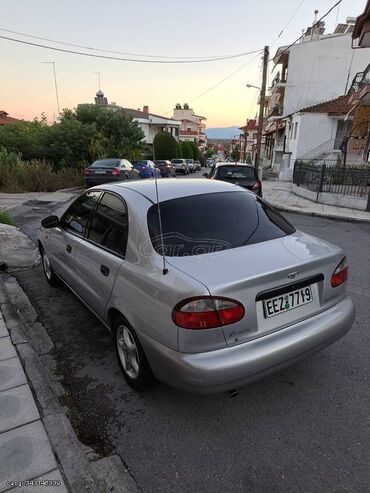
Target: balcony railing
(360, 80)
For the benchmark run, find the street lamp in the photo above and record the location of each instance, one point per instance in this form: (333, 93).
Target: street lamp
(56, 86)
(254, 87)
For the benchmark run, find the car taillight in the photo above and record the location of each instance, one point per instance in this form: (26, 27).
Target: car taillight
(340, 275)
(256, 186)
(87, 171)
(207, 312)
(115, 171)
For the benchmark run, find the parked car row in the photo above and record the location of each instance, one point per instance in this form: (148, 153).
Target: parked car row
(115, 169)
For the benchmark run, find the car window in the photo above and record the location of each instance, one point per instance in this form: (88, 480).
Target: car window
(215, 221)
(177, 161)
(109, 224)
(105, 163)
(78, 214)
(233, 172)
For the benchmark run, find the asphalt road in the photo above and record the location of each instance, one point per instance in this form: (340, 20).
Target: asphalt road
(305, 429)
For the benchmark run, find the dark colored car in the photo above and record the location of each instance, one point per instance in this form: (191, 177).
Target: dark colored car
(166, 168)
(107, 170)
(244, 175)
(147, 169)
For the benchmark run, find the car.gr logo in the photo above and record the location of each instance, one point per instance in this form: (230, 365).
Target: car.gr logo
(178, 245)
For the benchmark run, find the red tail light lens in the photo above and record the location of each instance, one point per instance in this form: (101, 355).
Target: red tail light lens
(256, 186)
(115, 172)
(340, 275)
(207, 312)
(87, 171)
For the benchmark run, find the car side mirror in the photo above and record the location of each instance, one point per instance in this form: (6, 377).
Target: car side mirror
(50, 222)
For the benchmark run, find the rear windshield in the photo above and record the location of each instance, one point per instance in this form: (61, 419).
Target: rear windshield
(212, 222)
(234, 172)
(106, 163)
(177, 161)
(142, 163)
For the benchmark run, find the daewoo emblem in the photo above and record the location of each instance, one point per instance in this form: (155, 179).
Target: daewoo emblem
(292, 275)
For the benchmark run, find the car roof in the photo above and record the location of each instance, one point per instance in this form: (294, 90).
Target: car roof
(228, 163)
(171, 188)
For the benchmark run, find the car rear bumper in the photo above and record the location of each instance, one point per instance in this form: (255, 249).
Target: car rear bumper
(232, 367)
(100, 180)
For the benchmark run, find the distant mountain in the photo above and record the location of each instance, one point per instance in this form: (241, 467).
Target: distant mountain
(222, 132)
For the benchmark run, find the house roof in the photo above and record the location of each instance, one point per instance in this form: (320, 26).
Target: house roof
(360, 21)
(5, 119)
(339, 105)
(144, 115)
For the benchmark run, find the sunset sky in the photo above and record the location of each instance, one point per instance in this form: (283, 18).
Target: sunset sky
(187, 28)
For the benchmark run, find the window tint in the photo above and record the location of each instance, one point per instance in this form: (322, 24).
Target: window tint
(234, 172)
(78, 214)
(177, 161)
(212, 222)
(109, 225)
(106, 163)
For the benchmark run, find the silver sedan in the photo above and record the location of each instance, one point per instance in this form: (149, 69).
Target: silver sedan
(206, 291)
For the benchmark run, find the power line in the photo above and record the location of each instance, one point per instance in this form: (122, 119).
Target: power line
(137, 60)
(112, 51)
(289, 21)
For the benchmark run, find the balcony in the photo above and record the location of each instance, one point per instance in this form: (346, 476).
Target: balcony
(360, 80)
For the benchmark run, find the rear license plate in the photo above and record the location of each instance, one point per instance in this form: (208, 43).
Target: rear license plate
(288, 301)
(100, 172)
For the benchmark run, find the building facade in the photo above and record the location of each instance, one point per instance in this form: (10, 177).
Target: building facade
(192, 126)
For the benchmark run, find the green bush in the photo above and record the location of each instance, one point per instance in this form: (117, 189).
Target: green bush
(6, 219)
(165, 146)
(186, 150)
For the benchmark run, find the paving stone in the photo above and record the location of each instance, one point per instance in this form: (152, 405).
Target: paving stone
(7, 350)
(11, 374)
(3, 330)
(40, 485)
(25, 453)
(17, 407)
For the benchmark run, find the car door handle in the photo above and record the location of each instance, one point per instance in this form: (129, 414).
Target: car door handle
(69, 248)
(104, 270)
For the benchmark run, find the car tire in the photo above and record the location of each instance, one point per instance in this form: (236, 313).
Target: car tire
(49, 273)
(131, 358)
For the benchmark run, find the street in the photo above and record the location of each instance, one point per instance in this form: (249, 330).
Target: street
(306, 428)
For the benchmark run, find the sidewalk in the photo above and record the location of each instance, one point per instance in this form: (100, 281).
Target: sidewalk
(280, 195)
(27, 462)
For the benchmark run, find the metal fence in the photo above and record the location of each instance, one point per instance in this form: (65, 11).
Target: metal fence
(353, 181)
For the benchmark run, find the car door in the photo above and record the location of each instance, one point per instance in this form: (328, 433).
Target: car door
(63, 240)
(131, 171)
(99, 256)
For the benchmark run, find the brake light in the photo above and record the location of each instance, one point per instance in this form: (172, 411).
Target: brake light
(207, 312)
(115, 172)
(256, 186)
(87, 171)
(340, 275)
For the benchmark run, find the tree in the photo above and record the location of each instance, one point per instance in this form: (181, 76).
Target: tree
(196, 151)
(187, 150)
(165, 146)
(235, 154)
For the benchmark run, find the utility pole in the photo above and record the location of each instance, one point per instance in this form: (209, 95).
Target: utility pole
(55, 83)
(262, 108)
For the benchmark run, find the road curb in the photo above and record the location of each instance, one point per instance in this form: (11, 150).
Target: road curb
(334, 217)
(82, 469)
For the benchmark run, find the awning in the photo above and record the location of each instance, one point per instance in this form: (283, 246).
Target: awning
(273, 127)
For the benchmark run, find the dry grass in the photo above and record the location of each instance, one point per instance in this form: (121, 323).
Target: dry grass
(35, 176)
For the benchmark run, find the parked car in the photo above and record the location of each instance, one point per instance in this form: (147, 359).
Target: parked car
(197, 165)
(107, 170)
(228, 293)
(181, 166)
(166, 168)
(191, 165)
(147, 169)
(209, 161)
(244, 175)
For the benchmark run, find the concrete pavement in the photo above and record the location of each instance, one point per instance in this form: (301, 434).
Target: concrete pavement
(280, 194)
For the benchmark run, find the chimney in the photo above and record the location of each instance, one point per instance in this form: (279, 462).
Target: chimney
(146, 109)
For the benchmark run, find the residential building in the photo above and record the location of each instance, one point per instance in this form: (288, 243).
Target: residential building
(150, 123)
(192, 125)
(317, 70)
(248, 140)
(5, 119)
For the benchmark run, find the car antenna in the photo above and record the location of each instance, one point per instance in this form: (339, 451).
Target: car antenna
(165, 270)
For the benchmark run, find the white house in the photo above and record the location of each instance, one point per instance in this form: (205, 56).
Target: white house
(319, 69)
(192, 125)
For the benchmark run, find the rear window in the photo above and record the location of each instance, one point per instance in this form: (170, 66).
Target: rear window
(142, 163)
(234, 172)
(106, 163)
(177, 161)
(212, 222)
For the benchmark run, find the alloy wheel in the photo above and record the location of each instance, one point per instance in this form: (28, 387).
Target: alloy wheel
(127, 351)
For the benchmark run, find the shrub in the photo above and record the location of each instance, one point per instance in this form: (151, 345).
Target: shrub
(187, 150)
(165, 146)
(6, 219)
